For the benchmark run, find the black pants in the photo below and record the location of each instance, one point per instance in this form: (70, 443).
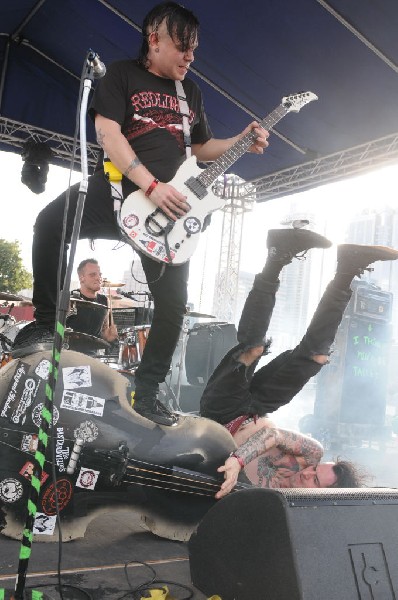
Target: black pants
(234, 390)
(98, 221)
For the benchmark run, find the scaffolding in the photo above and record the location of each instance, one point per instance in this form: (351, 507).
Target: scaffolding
(227, 279)
(15, 134)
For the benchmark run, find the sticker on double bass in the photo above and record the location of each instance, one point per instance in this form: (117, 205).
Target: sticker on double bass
(76, 377)
(84, 403)
(87, 478)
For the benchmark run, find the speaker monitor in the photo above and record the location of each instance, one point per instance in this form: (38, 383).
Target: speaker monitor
(206, 346)
(299, 545)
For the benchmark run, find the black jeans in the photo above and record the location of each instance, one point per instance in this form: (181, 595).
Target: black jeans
(98, 221)
(234, 390)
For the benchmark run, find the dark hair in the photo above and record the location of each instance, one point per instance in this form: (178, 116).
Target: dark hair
(348, 475)
(181, 25)
(86, 262)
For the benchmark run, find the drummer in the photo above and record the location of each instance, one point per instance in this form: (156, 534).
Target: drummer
(92, 320)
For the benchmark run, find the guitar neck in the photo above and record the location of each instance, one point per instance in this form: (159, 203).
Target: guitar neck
(220, 166)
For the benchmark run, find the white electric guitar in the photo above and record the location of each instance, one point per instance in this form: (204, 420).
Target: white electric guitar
(148, 229)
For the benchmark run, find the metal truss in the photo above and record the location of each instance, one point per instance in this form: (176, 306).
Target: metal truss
(16, 134)
(226, 290)
(328, 169)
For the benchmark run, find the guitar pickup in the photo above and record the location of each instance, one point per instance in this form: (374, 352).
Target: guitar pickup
(196, 187)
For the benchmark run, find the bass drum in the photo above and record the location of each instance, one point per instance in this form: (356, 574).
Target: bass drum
(105, 453)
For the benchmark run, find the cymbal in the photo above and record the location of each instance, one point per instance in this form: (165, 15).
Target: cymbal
(12, 297)
(106, 283)
(79, 302)
(192, 313)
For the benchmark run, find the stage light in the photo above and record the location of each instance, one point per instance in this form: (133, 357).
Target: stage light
(36, 156)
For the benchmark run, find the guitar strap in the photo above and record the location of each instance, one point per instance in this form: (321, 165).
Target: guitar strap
(114, 177)
(184, 111)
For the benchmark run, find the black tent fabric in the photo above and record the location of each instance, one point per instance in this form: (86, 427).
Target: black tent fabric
(250, 56)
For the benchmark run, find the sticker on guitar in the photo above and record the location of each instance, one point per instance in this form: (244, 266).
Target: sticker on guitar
(150, 231)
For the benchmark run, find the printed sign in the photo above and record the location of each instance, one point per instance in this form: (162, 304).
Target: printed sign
(82, 403)
(43, 369)
(27, 472)
(62, 493)
(29, 442)
(10, 490)
(87, 431)
(76, 377)
(61, 453)
(36, 415)
(87, 478)
(30, 388)
(14, 390)
(130, 221)
(44, 524)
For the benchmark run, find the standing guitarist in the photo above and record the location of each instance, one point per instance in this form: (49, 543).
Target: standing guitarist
(139, 126)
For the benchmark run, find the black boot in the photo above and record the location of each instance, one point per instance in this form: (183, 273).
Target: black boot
(147, 404)
(285, 244)
(353, 259)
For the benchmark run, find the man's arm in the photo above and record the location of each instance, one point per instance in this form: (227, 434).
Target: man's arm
(296, 445)
(108, 330)
(118, 149)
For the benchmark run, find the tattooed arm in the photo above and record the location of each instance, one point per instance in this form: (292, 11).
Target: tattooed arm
(122, 155)
(286, 450)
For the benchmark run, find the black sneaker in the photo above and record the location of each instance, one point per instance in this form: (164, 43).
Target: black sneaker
(150, 408)
(285, 244)
(355, 258)
(32, 338)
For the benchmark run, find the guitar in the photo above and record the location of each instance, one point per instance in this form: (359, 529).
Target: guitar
(149, 230)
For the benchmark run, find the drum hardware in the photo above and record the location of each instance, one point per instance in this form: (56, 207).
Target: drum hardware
(132, 342)
(175, 390)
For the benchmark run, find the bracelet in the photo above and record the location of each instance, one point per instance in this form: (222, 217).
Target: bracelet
(238, 458)
(151, 187)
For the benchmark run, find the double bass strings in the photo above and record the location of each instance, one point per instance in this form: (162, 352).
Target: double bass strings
(184, 481)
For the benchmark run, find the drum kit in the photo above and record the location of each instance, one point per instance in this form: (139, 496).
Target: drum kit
(9, 327)
(127, 354)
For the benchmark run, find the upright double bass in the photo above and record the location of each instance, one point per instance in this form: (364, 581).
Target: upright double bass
(101, 453)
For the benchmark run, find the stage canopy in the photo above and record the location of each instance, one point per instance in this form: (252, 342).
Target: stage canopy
(250, 56)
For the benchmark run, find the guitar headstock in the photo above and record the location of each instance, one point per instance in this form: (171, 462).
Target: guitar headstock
(295, 102)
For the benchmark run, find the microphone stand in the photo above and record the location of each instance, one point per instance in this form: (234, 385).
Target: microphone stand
(62, 310)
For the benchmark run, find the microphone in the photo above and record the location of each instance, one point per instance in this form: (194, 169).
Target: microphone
(99, 69)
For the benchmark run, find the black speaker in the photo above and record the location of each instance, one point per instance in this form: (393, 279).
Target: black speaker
(299, 545)
(206, 346)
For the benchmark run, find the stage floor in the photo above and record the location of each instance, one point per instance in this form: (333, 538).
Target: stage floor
(96, 563)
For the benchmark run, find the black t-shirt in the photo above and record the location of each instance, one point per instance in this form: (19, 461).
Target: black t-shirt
(147, 109)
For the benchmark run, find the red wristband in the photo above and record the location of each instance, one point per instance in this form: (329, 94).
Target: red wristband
(151, 187)
(239, 459)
